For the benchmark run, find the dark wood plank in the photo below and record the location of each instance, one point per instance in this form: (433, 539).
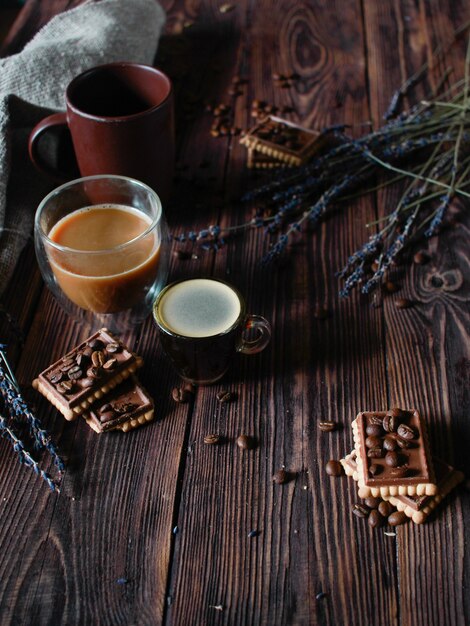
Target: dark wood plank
(275, 577)
(427, 346)
(104, 550)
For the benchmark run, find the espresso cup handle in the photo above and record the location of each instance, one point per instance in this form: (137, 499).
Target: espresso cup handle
(260, 326)
(52, 121)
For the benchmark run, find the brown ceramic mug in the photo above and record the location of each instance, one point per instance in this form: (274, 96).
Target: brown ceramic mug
(120, 117)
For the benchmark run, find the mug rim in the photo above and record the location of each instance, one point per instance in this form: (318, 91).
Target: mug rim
(117, 118)
(161, 325)
(84, 179)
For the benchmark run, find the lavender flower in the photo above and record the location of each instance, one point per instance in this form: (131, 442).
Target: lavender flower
(16, 407)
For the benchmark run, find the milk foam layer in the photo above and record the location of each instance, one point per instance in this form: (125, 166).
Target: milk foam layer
(199, 308)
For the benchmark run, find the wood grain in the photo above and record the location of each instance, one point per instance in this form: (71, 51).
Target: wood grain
(153, 527)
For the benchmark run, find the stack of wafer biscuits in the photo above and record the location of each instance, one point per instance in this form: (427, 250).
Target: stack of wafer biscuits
(96, 380)
(274, 143)
(391, 460)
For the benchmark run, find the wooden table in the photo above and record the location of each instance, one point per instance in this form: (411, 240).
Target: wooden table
(153, 527)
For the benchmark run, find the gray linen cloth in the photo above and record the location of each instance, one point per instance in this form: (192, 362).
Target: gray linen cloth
(32, 85)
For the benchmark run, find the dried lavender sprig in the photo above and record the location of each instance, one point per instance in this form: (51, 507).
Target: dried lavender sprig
(24, 456)
(313, 214)
(16, 405)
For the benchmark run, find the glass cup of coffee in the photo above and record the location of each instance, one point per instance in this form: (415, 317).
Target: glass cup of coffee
(203, 323)
(102, 248)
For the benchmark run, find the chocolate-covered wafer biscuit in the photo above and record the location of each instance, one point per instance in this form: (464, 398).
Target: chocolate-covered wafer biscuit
(124, 408)
(280, 139)
(406, 470)
(87, 373)
(417, 508)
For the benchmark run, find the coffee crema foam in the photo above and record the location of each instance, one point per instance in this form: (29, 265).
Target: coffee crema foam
(199, 308)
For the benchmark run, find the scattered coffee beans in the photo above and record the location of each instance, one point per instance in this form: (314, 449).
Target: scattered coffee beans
(403, 303)
(327, 427)
(334, 468)
(375, 519)
(245, 442)
(224, 396)
(212, 439)
(397, 518)
(385, 508)
(372, 503)
(360, 510)
(421, 257)
(280, 477)
(181, 395)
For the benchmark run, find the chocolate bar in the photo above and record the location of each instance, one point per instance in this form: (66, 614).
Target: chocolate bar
(87, 373)
(280, 139)
(393, 456)
(417, 508)
(124, 408)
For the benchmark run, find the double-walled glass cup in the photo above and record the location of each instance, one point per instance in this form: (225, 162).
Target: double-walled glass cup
(102, 248)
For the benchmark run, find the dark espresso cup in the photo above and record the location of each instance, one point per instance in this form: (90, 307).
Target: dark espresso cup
(203, 324)
(120, 117)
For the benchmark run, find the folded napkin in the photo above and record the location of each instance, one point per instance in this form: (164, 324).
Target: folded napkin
(32, 85)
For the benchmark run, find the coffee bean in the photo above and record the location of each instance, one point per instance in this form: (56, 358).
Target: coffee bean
(65, 386)
(392, 459)
(397, 412)
(107, 416)
(245, 442)
(93, 372)
(373, 442)
(374, 430)
(360, 510)
(327, 427)
(375, 453)
(280, 477)
(334, 468)
(180, 395)
(98, 358)
(375, 420)
(86, 382)
(75, 373)
(81, 359)
(56, 377)
(391, 287)
(421, 257)
(95, 344)
(399, 472)
(385, 508)
(106, 407)
(390, 423)
(113, 347)
(403, 303)
(109, 364)
(404, 443)
(390, 444)
(406, 432)
(212, 439)
(181, 255)
(224, 396)
(375, 519)
(397, 518)
(372, 502)
(375, 469)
